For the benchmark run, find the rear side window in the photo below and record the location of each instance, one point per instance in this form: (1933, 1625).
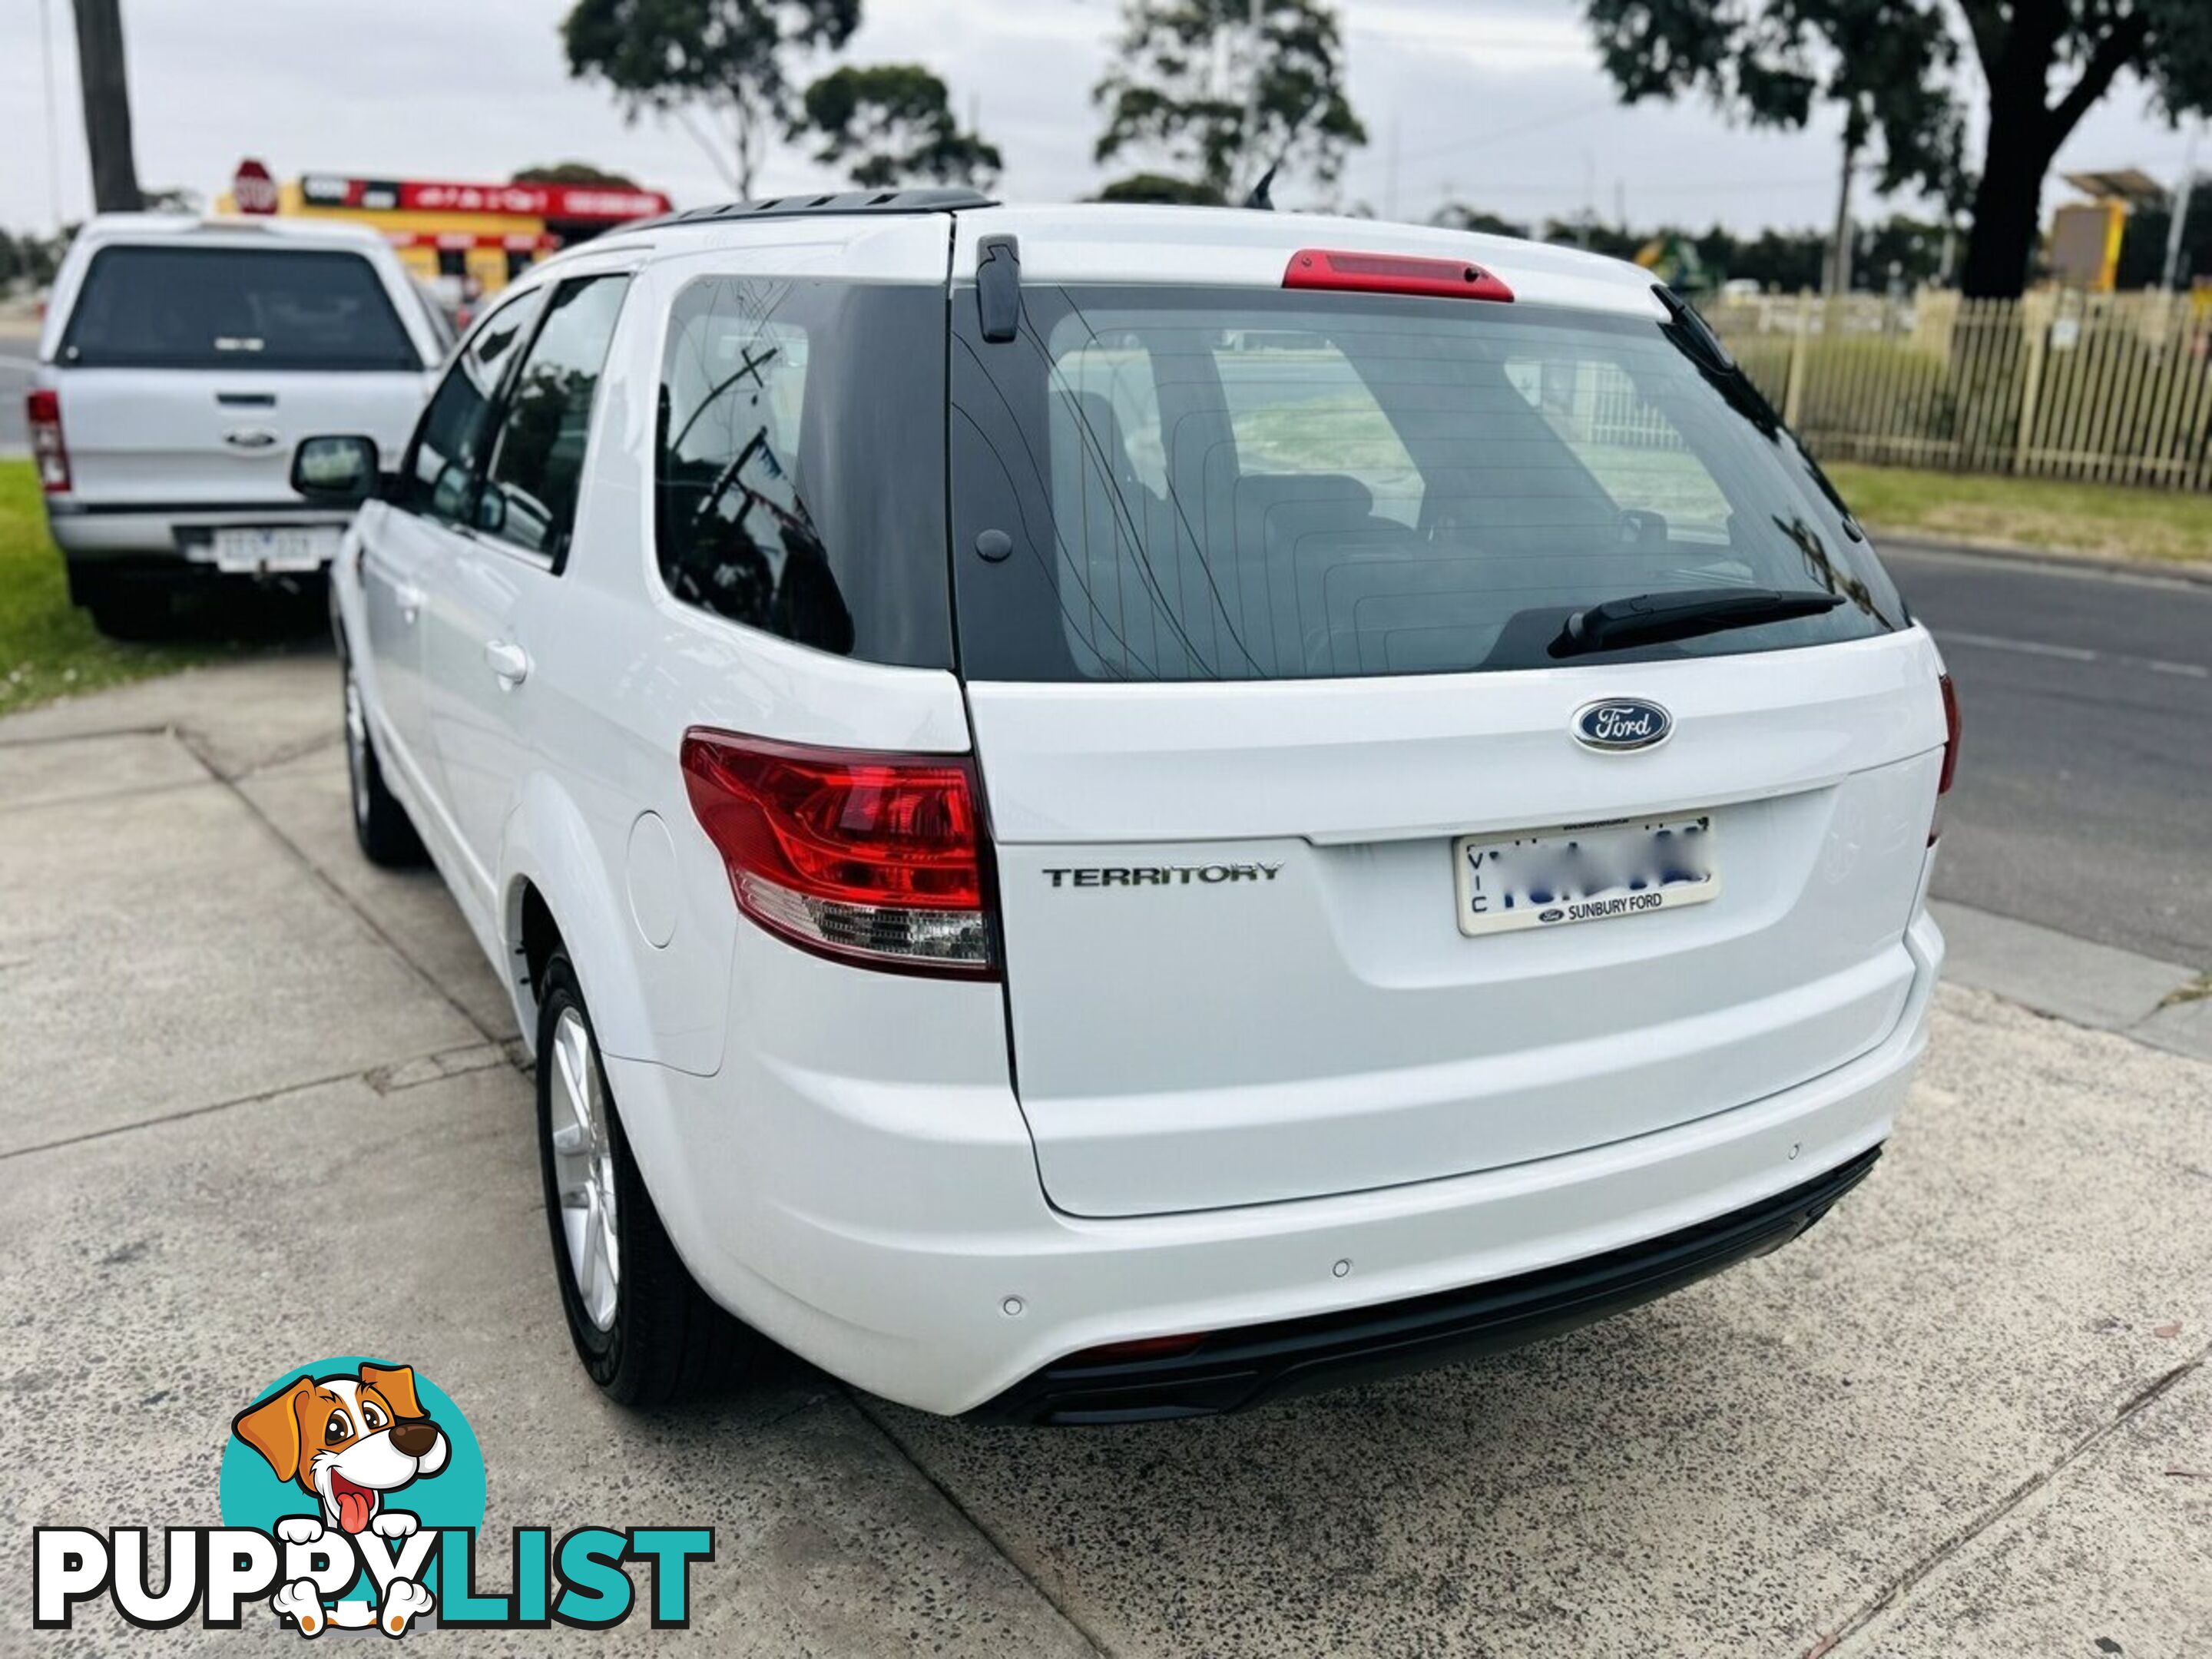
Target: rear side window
(799, 484)
(1244, 484)
(530, 488)
(235, 308)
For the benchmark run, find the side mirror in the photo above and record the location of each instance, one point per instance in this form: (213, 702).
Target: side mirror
(337, 472)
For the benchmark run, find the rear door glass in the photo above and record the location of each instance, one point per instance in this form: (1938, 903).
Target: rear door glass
(536, 468)
(1241, 484)
(235, 308)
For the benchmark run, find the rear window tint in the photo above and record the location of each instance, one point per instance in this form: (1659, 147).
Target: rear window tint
(1233, 485)
(235, 308)
(799, 482)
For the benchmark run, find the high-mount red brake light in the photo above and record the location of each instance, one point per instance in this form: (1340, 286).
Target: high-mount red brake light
(872, 859)
(1950, 753)
(1391, 273)
(44, 412)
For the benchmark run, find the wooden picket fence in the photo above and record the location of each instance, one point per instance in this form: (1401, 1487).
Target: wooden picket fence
(2112, 388)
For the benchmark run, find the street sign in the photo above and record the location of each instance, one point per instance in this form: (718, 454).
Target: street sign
(252, 188)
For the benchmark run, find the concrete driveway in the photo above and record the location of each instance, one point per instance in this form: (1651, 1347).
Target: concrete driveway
(261, 1108)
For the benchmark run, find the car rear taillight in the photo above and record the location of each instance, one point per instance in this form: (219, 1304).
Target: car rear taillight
(43, 409)
(1391, 273)
(872, 859)
(1950, 754)
(1143, 1347)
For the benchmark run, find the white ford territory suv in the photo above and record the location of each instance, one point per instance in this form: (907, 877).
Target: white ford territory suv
(181, 360)
(1106, 814)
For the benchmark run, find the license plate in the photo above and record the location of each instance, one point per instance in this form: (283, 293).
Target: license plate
(1584, 872)
(275, 547)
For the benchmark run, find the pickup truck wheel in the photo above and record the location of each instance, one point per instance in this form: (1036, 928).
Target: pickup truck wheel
(136, 614)
(644, 1329)
(380, 823)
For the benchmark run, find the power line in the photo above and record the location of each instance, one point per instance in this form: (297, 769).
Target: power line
(1537, 125)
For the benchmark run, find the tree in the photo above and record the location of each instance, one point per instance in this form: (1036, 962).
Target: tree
(1459, 215)
(1889, 64)
(1189, 78)
(107, 94)
(892, 124)
(731, 57)
(1162, 188)
(172, 198)
(575, 172)
(2024, 46)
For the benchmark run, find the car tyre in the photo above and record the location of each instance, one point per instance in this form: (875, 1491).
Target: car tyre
(642, 1327)
(136, 614)
(380, 823)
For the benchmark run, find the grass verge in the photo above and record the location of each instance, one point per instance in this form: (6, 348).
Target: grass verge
(2111, 521)
(48, 648)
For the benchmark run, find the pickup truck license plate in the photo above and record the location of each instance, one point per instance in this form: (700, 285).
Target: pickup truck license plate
(1585, 873)
(275, 547)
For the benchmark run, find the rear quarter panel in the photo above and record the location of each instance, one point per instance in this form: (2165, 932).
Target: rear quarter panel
(620, 670)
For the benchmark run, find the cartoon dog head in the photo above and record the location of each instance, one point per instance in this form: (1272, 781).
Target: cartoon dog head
(346, 1440)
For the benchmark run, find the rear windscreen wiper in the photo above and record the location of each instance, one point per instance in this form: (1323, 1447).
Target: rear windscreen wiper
(1655, 618)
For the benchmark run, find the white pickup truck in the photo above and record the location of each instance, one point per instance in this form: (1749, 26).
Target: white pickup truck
(182, 359)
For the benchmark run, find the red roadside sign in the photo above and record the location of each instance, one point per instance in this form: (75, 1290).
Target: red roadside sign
(252, 188)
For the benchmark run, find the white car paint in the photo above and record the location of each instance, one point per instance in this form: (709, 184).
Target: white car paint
(161, 457)
(1181, 1116)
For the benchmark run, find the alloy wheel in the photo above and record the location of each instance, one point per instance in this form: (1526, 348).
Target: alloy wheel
(584, 1169)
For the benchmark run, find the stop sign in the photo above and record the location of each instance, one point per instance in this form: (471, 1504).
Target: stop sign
(252, 188)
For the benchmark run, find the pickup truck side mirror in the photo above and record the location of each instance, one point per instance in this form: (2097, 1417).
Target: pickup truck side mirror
(336, 472)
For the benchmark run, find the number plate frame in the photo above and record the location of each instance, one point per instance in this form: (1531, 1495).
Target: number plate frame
(1582, 860)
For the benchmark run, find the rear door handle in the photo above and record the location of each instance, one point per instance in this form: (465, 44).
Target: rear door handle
(508, 660)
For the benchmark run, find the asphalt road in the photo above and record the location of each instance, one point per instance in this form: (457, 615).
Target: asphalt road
(2084, 799)
(18, 352)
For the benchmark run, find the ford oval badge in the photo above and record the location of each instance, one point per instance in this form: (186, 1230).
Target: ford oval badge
(1621, 723)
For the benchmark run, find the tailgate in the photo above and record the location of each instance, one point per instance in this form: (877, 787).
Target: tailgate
(1234, 965)
(186, 439)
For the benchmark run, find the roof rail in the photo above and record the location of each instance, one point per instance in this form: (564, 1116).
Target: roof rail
(944, 200)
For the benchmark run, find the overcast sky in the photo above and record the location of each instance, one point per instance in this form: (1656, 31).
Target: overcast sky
(1497, 102)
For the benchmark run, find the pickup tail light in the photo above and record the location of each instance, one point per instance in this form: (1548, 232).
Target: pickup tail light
(876, 860)
(43, 409)
(1950, 754)
(1392, 273)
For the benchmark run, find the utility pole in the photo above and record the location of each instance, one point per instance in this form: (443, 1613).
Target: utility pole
(106, 107)
(54, 115)
(1256, 19)
(1390, 178)
(1839, 248)
(2178, 218)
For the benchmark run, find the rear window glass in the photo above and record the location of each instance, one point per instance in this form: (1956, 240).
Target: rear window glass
(800, 472)
(222, 307)
(1258, 486)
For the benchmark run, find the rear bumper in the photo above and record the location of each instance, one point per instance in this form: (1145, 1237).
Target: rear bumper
(157, 536)
(1245, 1367)
(894, 1232)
